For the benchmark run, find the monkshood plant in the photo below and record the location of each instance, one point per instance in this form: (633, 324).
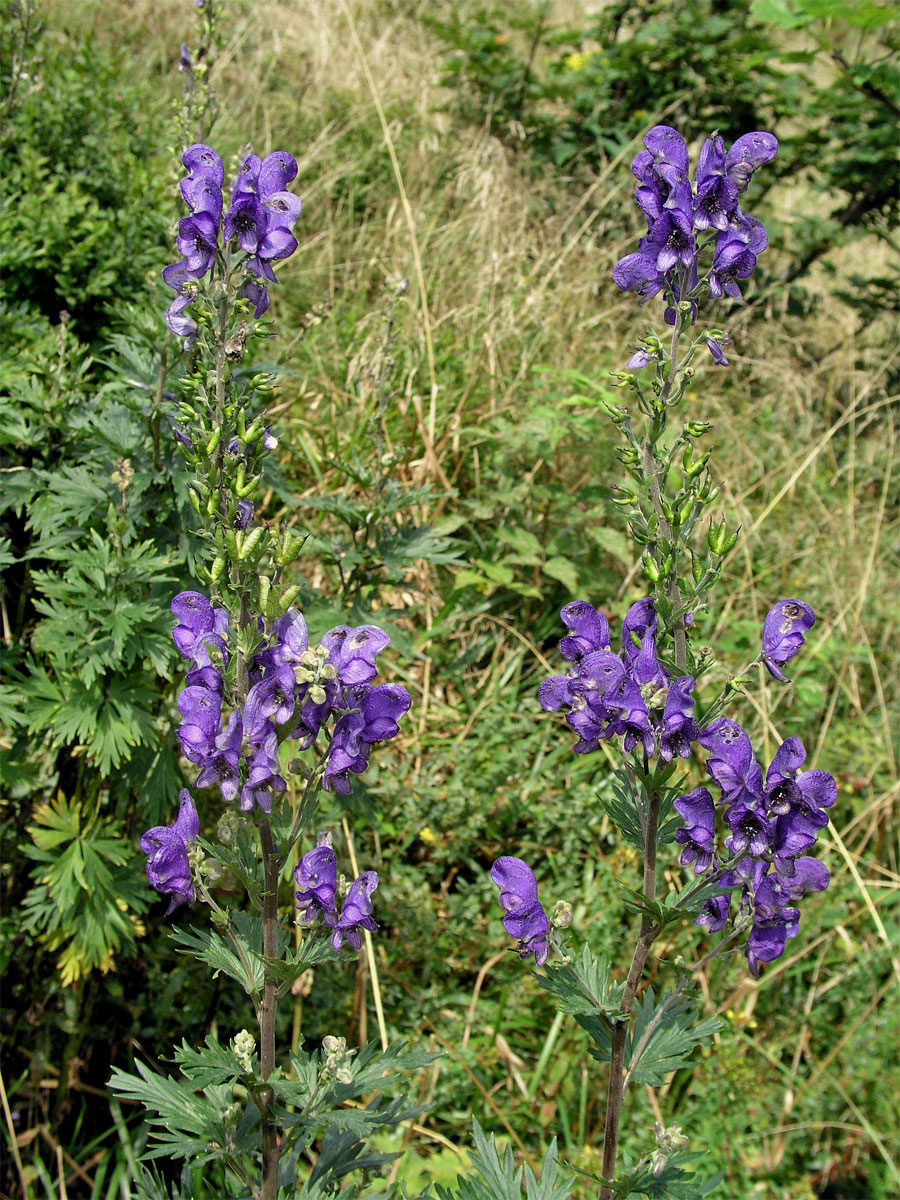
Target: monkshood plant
(261, 705)
(748, 840)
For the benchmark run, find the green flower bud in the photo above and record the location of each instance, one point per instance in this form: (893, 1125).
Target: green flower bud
(651, 570)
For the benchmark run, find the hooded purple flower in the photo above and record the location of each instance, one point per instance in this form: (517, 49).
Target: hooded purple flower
(747, 155)
(731, 761)
(221, 767)
(589, 630)
(639, 621)
(667, 257)
(353, 652)
(679, 726)
(356, 912)
(263, 773)
(201, 160)
(373, 716)
(200, 627)
(525, 918)
(316, 879)
(197, 242)
(714, 913)
(697, 835)
(168, 868)
(783, 634)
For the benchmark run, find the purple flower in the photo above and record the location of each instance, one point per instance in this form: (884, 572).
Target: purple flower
(748, 153)
(373, 717)
(272, 698)
(639, 620)
(679, 726)
(316, 879)
(352, 652)
(356, 912)
(810, 875)
(168, 868)
(718, 354)
(714, 913)
(201, 160)
(263, 773)
(246, 222)
(639, 360)
(276, 171)
(638, 273)
(632, 718)
(667, 254)
(221, 767)
(697, 835)
(200, 627)
(731, 761)
(783, 634)
(589, 630)
(243, 514)
(525, 918)
(197, 242)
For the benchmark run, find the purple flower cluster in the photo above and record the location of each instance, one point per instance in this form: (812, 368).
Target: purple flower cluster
(168, 867)
(295, 692)
(258, 223)
(628, 693)
(317, 888)
(667, 258)
(525, 917)
(769, 823)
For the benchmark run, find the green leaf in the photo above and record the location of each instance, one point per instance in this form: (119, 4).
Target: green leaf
(584, 988)
(663, 1037)
(213, 1063)
(564, 570)
(209, 947)
(527, 547)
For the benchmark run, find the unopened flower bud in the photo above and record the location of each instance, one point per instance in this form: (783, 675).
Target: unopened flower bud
(334, 1045)
(342, 1075)
(243, 1046)
(561, 916)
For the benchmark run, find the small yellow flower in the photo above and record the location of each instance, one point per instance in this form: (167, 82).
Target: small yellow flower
(427, 835)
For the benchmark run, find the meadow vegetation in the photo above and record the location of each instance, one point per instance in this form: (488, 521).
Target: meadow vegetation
(444, 340)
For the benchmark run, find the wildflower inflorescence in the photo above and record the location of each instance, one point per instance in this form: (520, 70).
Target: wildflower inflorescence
(295, 693)
(254, 232)
(318, 888)
(754, 837)
(698, 242)
(628, 693)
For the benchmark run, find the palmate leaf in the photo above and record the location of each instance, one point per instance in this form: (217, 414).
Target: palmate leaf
(583, 988)
(673, 1034)
(211, 948)
(621, 810)
(673, 1181)
(212, 1064)
(84, 903)
(185, 1124)
(496, 1178)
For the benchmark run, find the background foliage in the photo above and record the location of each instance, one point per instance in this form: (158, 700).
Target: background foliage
(452, 426)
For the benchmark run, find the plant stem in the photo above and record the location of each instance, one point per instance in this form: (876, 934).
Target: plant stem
(651, 473)
(270, 1147)
(620, 1028)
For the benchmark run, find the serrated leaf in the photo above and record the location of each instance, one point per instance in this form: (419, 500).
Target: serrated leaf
(663, 1037)
(211, 948)
(583, 988)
